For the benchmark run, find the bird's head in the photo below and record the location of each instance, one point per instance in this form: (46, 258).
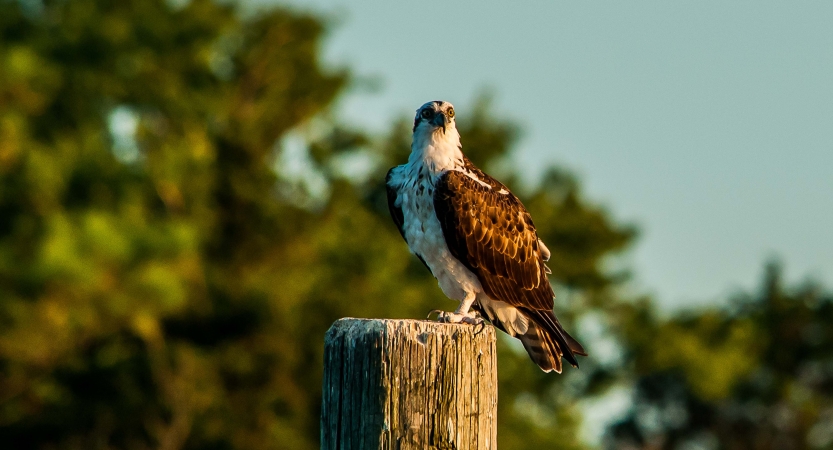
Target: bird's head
(435, 116)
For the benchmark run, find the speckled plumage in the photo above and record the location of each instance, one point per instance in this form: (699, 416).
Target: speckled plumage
(476, 238)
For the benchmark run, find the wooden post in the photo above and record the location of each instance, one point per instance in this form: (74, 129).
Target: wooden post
(409, 384)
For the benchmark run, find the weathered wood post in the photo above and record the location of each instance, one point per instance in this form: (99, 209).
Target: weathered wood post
(409, 384)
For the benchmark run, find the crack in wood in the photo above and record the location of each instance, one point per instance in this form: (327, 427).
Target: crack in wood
(408, 384)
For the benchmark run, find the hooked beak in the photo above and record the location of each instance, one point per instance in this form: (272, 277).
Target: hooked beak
(440, 120)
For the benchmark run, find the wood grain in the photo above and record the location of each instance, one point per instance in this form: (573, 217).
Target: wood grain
(408, 384)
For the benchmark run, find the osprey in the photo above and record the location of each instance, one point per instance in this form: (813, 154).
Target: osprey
(477, 239)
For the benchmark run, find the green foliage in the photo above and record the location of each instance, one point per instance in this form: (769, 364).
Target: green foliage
(144, 269)
(757, 376)
(163, 284)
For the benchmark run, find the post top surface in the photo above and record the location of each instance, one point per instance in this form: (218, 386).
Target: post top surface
(354, 325)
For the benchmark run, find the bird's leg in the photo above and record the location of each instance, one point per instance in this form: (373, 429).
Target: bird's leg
(465, 305)
(461, 314)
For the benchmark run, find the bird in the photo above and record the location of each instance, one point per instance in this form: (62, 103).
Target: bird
(477, 239)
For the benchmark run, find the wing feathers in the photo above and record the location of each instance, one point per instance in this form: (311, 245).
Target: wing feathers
(493, 235)
(395, 211)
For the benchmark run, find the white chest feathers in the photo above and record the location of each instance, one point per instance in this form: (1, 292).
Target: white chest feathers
(415, 186)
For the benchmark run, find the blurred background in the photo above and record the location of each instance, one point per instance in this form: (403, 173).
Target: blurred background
(191, 192)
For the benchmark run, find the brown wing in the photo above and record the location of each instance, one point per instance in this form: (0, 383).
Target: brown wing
(395, 211)
(492, 234)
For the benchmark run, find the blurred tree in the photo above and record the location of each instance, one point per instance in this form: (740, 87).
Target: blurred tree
(758, 376)
(146, 260)
(165, 279)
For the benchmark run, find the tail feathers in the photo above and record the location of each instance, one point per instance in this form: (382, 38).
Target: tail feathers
(541, 349)
(542, 335)
(558, 342)
(574, 345)
(555, 332)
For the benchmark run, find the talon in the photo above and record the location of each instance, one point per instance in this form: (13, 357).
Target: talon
(471, 320)
(439, 314)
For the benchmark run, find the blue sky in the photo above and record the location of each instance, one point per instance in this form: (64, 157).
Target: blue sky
(708, 124)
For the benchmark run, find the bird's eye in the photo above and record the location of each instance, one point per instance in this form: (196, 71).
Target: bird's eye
(426, 113)
(450, 113)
